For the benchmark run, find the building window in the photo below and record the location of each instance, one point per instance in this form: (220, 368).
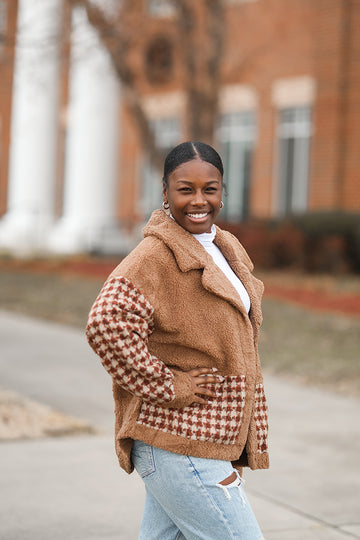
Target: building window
(167, 135)
(160, 8)
(237, 139)
(294, 132)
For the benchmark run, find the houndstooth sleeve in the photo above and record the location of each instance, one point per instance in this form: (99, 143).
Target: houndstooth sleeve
(119, 324)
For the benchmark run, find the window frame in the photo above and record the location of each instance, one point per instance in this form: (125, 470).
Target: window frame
(237, 137)
(294, 134)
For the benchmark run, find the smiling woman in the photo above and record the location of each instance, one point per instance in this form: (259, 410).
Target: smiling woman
(193, 193)
(192, 185)
(176, 326)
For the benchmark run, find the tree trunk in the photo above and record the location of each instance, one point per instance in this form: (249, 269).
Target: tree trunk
(200, 31)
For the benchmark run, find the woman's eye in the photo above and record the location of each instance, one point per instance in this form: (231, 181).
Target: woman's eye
(185, 189)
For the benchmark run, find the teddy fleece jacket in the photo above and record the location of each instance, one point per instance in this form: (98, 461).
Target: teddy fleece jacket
(167, 308)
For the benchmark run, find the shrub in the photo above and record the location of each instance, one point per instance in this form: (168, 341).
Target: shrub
(316, 242)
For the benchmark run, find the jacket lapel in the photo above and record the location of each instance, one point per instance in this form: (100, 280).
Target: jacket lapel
(190, 255)
(214, 281)
(241, 264)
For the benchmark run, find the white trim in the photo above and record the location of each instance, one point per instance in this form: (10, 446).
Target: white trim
(293, 92)
(165, 105)
(240, 1)
(237, 97)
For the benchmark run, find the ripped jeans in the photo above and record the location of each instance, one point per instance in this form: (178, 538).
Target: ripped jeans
(186, 498)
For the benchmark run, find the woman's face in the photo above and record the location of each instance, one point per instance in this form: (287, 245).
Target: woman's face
(194, 193)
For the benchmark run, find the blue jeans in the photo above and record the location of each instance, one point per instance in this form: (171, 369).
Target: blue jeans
(185, 500)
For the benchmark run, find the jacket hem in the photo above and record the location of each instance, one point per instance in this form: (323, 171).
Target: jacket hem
(179, 445)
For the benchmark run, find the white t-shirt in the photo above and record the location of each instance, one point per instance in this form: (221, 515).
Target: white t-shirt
(207, 241)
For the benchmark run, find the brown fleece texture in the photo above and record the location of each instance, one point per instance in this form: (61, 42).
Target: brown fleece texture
(166, 309)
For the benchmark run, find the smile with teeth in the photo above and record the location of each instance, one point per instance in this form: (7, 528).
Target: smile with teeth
(197, 215)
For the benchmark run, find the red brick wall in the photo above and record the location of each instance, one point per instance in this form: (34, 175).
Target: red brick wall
(6, 77)
(350, 171)
(325, 189)
(269, 40)
(264, 41)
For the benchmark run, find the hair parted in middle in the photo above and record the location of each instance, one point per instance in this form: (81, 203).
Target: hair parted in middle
(187, 151)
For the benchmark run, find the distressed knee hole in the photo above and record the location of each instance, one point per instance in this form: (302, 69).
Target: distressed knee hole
(232, 481)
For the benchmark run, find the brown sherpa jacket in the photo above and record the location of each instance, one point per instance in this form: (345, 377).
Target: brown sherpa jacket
(166, 309)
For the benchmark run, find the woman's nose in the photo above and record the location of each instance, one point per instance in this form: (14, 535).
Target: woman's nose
(199, 198)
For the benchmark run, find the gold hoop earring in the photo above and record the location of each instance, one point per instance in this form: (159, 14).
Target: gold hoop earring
(221, 204)
(165, 205)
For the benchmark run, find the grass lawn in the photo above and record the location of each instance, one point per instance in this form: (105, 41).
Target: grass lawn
(317, 348)
(312, 347)
(64, 299)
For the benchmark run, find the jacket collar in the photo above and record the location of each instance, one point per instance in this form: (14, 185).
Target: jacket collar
(190, 255)
(185, 247)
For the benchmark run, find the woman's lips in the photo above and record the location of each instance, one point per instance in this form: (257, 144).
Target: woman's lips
(198, 217)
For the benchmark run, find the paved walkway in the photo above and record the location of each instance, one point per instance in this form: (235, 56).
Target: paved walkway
(71, 488)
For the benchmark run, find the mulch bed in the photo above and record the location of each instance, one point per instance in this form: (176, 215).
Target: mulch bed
(86, 267)
(347, 304)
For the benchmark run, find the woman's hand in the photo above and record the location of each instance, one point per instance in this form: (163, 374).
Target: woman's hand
(201, 377)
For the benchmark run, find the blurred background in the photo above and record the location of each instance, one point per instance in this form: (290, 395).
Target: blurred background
(93, 94)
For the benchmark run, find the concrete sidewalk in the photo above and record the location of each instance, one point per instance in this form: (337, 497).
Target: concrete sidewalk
(71, 488)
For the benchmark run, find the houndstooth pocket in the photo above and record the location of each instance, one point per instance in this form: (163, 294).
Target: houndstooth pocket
(217, 421)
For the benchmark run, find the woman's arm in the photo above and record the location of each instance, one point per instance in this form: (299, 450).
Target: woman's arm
(119, 325)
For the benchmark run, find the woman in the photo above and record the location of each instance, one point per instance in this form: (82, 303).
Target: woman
(176, 326)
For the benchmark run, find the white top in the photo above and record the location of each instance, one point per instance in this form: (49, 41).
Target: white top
(207, 241)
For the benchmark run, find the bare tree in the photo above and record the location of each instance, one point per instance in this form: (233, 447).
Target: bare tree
(198, 31)
(202, 56)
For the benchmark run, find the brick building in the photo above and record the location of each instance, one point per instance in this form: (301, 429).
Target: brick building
(288, 125)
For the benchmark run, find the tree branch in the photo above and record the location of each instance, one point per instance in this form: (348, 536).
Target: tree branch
(200, 34)
(202, 55)
(118, 43)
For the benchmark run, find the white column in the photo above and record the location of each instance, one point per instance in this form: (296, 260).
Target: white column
(32, 166)
(91, 146)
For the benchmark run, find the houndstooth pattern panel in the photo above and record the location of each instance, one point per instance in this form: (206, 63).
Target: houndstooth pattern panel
(219, 423)
(120, 322)
(261, 418)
